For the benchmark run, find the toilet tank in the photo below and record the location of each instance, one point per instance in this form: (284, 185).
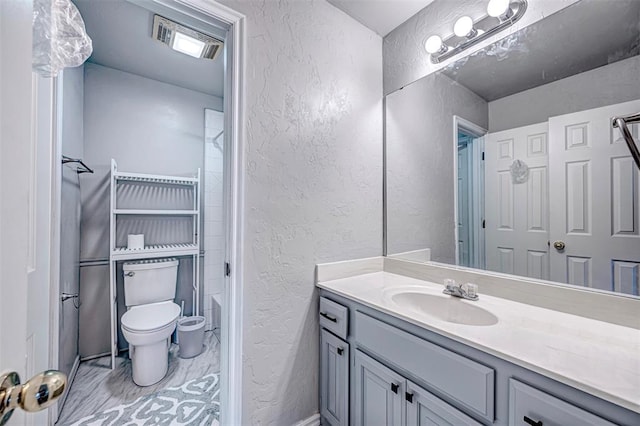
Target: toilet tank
(149, 281)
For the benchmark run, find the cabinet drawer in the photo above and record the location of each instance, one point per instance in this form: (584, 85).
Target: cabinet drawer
(540, 408)
(334, 317)
(469, 383)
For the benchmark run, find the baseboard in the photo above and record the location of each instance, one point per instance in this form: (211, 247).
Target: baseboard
(310, 421)
(74, 370)
(60, 404)
(90, 357)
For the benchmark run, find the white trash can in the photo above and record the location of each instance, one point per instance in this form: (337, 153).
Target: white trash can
(191, 336)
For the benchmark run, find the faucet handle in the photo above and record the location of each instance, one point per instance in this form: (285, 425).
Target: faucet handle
(471, 290)
(450, 284)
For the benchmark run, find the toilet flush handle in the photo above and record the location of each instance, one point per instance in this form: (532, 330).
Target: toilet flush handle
(129, 274)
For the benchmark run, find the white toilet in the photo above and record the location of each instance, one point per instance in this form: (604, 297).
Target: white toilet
(149, 290)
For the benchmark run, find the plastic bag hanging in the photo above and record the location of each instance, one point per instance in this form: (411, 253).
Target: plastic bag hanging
(519, 171)
(60, 39)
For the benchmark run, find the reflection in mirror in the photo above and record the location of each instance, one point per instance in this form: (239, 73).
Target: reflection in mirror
(507, 159)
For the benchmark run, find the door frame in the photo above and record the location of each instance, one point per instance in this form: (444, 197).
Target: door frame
(477, 151)
(234, 118)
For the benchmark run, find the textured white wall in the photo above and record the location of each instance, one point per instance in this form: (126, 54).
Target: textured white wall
(611, 84)
(420, 147)
(313, 187)
(405, 59)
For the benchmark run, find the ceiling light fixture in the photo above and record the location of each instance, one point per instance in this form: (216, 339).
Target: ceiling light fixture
(185, 40)
(188, 45)
(467, 32)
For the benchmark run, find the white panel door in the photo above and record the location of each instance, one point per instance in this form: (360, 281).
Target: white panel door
(26, 162)
(594, 194)
(517, 214)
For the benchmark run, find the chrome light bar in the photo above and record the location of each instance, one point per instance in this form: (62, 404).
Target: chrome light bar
(482, 29)
(621, 123)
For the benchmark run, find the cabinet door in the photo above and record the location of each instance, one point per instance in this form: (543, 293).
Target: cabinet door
(379, 393)
(334, 379)
(425, 409)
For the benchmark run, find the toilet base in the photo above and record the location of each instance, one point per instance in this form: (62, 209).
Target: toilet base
(150, 363)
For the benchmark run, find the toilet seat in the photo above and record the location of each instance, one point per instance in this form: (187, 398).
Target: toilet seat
(150, 317)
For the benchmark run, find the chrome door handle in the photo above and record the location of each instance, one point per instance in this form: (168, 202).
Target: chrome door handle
(559, 245)
(38, 393)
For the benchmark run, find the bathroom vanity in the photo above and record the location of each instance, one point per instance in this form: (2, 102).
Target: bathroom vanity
(396, 351)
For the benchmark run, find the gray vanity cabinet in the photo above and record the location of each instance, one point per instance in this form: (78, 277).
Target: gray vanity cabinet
(394, 373)
(334, 379)
(379, 393)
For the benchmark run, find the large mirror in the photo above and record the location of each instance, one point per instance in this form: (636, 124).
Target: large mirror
(506, 160)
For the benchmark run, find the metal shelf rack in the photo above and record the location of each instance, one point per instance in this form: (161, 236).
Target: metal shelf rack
(168, 249)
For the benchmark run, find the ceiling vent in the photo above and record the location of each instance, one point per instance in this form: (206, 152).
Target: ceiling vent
(185, 40)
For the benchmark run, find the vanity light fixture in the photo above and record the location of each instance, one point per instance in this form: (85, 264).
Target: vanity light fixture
(501, 14)
(499, 9)
(464, 28)
(434, 45)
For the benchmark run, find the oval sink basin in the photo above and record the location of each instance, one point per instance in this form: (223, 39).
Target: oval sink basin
(444, 308)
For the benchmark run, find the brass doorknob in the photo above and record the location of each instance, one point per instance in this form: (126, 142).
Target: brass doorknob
(559, 245)
(37, 394)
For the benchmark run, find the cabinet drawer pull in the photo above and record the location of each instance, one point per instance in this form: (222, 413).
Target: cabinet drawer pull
(531, 422)
(329, 317)
(394, 387)
(340, 351)
(409, 397)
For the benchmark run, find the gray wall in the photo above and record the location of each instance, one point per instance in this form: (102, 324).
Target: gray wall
(72, 146)
(420, 147)
(611, 84)
(313, 187)
(148, 127)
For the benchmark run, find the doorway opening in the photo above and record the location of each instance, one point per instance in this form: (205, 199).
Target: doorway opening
(157, 112)
(469, 192)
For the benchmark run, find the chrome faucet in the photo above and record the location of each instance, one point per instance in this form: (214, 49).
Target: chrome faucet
(464, 291)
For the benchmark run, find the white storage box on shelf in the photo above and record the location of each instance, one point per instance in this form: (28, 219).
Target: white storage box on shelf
(137, 210)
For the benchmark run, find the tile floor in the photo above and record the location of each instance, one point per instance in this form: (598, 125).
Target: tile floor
(96, 387)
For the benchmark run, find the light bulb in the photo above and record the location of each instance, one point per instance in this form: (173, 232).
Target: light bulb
(464, 27)
(498, 8)
(433, 44)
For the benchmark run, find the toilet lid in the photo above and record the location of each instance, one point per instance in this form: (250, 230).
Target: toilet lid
(150, 317)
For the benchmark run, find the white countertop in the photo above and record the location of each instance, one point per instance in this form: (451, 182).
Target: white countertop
(597, 357)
